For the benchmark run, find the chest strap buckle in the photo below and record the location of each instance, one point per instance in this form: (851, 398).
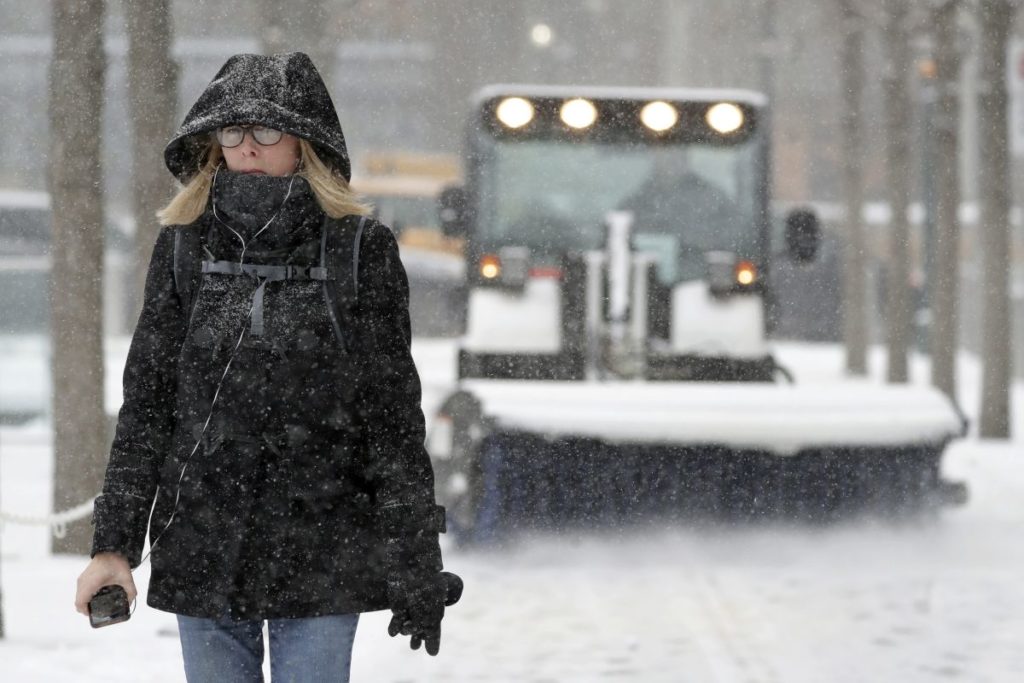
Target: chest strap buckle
(270, 273)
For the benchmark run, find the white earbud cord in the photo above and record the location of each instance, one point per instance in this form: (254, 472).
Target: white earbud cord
(231, 358)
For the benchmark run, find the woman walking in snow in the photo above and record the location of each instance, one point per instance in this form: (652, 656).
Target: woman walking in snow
(271, 415)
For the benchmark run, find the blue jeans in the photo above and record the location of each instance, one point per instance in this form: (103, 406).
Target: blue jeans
(301, 650)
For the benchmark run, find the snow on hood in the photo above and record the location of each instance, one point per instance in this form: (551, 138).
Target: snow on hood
(283, 91)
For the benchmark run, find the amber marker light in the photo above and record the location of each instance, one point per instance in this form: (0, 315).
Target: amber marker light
(725, 118)
(578, 113)
(515, 112)
(746, 273)
(490, 266)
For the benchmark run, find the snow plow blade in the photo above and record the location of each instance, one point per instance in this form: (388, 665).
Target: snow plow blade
(515, 455)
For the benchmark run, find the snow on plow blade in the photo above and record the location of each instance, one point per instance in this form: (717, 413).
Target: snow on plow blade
(512, 455)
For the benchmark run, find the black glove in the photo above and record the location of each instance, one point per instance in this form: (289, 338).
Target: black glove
(417, 588)
(417, 607)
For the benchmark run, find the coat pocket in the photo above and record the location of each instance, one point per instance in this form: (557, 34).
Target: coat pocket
(321, 473)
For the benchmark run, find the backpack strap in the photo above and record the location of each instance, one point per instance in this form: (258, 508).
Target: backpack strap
(269, 273)
(340, 242)
(187, 256)
(356, 244)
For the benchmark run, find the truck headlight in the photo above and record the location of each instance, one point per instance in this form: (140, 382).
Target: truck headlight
(515, 112)
(659, 116)
(578, 113)
(725, 118)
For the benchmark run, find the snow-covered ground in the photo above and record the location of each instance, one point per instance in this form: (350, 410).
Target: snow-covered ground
(939, 600)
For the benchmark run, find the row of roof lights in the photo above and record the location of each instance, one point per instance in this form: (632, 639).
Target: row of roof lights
(659, 116)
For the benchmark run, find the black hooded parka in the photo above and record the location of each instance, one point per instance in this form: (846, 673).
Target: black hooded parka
(284, 454)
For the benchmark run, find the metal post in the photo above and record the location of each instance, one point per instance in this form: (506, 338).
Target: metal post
(619, 350)
(594, 323)
(638, 320)
(619, 225)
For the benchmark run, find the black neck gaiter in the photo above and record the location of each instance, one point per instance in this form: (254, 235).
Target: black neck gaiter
(246, 202)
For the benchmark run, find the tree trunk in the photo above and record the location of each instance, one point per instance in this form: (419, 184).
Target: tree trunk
(152, 99)
(76, 278)
(996, 19)
(899, 173)
(1, 598)
(854, 309)
(944, 276)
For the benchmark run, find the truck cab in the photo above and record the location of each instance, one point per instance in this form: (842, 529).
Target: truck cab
(683, 173)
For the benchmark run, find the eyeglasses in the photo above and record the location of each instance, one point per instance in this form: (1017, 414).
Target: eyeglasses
(232, 136)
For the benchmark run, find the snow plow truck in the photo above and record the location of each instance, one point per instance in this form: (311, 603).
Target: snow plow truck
(614, 365)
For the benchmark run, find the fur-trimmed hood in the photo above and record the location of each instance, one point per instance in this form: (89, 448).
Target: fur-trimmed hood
(283, 91)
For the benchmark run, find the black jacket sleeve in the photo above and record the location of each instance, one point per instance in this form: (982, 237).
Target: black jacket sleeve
(407, 516)
(146, 420)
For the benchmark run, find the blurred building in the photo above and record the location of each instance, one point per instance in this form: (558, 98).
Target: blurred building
(786, 49)
(402, 71)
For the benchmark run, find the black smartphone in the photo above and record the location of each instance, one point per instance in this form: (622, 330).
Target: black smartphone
(109, 606)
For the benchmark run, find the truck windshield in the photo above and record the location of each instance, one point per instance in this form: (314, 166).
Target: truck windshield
(687, 199)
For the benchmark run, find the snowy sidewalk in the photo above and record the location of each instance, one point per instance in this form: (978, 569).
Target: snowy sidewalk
(926, 601)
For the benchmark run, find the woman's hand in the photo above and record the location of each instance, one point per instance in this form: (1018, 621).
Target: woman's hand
(105, 569)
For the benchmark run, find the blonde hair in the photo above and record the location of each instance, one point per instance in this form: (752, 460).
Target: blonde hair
(332, 191)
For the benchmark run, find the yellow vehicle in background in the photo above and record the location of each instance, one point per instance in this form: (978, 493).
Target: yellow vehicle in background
(404, 189)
